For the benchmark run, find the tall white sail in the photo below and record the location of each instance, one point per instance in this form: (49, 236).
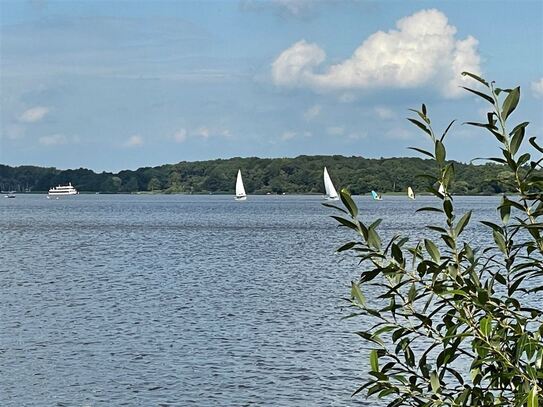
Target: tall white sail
(441, 189)
(331, 192)
(410, 193)
(240, 189)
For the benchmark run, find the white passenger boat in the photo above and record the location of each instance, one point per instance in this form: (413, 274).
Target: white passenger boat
(62, 190)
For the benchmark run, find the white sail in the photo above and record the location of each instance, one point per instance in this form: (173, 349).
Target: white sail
(240, 189)
(331, 192)
(441, 189)
(410, 193)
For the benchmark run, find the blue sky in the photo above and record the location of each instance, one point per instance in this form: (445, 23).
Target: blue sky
(125, 84)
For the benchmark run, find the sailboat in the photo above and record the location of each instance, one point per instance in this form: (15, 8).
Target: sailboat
(410, 193)
(441, 189)
(240, 189)
(376, 196)
(331, 193)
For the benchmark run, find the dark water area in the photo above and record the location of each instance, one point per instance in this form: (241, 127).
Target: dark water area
(148, 300)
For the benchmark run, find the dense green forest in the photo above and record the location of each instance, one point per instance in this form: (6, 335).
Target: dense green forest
(301, 174)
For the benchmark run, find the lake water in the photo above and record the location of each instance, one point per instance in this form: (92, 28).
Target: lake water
(149, 300)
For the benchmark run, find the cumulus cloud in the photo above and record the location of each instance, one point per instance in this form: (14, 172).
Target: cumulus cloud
(422, 50)
(34, 114)
(312, 112)
(134, 141)
(53, 140)
(537, 88)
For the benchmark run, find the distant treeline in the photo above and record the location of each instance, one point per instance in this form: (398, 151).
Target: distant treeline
(302, 174)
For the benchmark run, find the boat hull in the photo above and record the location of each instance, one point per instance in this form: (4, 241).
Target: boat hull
(240, 198)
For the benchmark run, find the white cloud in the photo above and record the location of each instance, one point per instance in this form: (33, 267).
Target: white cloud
(202, 132)
(288, 135)
(134, 141)
(53, 140)
(335, 131)
(180, 136)
(384, 112)
(34, 114)
(537, 88)
(295, 65)
(422, 51)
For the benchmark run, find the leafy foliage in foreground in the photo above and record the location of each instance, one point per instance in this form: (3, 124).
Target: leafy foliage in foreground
(302, 174)
(456, 324)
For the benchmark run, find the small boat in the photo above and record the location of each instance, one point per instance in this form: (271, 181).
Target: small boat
(441, 189)
(331, 193)
(240, 189)
(376, 196)
(410, 193)
(10, 195)
(62, 190)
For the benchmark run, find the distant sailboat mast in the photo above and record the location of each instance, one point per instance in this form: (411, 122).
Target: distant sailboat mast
(240, 189)
(331, 192)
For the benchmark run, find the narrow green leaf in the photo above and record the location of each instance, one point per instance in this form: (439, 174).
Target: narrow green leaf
(516, 140)
(335, 207)
(374, 360)
(500, 241)
(510, 103)
(434, 382)
(373, 239)
(462, 223)
(356, 294)
(345, 222)
(477, 78)
(346, 246)
(448, 174)
(440, 151)
(491, 225)
(535, 145)
(480, 94)
(429, 209)
(422, 151)
(432, 250)
(533, 399)
(486, 326)
(505, 210)
(348, 202)
(446, 131)
(420, 125)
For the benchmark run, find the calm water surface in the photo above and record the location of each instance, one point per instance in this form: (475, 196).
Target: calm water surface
(142, 300)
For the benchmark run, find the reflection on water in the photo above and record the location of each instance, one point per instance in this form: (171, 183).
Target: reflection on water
(183, 300)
